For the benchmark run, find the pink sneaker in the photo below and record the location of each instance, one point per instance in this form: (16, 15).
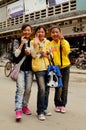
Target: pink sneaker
(58, 109)
(26, 110)
(18, 115)
(63, 110)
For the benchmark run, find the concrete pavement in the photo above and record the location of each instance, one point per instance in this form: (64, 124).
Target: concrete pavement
(74, 119)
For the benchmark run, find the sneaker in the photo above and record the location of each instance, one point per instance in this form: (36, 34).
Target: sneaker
(41, 117)
(18, 115)
(47, 113)
(58, 109)
(26, 110)
(63, 110)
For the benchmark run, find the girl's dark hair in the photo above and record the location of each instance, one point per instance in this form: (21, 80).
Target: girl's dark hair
(25, 25)
(55, 27)
(39, 27)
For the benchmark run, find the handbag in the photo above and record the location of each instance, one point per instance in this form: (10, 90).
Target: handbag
(54, 78)
(16, 69)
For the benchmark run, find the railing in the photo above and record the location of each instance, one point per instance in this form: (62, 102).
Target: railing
(49, 11)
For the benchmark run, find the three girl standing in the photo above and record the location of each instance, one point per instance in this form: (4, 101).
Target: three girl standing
(38, 56)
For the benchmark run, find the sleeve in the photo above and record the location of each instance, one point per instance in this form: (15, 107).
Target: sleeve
(65, 47)
(16, 51)
(33, 52)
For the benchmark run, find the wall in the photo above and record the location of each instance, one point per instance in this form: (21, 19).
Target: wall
(3, 14)
(81, 4)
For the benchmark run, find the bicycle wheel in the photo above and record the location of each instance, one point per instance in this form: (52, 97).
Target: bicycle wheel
(84, 66)
(8, 68)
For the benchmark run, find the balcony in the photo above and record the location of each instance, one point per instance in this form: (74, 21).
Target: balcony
(49, 15)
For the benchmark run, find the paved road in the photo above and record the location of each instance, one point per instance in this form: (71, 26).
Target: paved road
(74, 119)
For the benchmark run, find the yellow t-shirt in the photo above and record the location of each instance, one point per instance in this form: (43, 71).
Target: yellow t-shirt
(39, 63)
(55, 47)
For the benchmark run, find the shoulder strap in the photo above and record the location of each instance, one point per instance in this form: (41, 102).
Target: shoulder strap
(50, 59)
(60, 53)
(21, 61)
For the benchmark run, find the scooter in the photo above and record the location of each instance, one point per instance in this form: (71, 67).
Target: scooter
(79, 62)
(84, 64)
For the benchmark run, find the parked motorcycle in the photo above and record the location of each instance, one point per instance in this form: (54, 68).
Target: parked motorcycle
(81, 62)
(84, 64)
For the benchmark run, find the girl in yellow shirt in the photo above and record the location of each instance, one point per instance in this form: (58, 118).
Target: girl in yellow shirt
(60, 49)
(39, 52)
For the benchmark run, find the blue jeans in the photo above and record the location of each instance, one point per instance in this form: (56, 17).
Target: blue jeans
(23, 89)
(41, 81)
(60, 97)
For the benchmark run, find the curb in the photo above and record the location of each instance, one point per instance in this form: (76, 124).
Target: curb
(2, 65)
(78, 72)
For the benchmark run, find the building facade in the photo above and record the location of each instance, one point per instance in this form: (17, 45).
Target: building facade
(70, 15)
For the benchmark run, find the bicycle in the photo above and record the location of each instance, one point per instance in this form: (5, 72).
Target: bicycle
(8, 68)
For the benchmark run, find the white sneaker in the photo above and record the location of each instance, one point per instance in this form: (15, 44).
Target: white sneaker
(41, 117)
(47, 113)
